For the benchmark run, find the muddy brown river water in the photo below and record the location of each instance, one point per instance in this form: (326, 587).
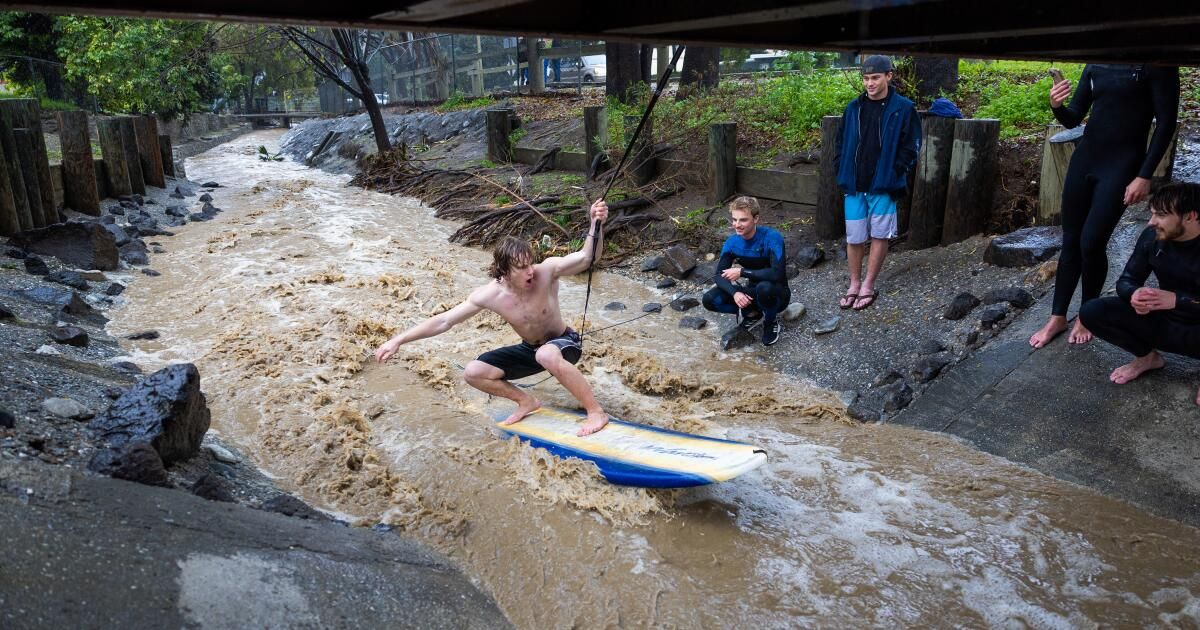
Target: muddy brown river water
(282, 298)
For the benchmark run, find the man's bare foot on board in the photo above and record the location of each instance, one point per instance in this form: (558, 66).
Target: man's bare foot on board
(596, 420)
(523, 409)
(1137, 367)
(1079, 334)
(1052, 329)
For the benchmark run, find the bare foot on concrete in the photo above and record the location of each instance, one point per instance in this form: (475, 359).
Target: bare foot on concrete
(523, 409)
(596, 420)
(1052, 329)
(1079, 334)
(1137, 367)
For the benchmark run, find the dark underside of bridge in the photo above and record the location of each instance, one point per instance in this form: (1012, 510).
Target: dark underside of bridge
(1144, 31)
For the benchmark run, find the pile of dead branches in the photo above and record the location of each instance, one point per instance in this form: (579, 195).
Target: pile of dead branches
(468, 196)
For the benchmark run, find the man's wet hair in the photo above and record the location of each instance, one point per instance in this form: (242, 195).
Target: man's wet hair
(745, 203)
(510, 252)
(1177, 198)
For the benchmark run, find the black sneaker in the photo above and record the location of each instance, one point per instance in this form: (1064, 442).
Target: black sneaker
(748, 319)
(770, 333)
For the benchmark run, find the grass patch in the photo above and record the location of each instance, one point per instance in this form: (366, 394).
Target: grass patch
(517, 135)
(459, 101)
(1017, 93)
(486, 163)
(46, 103)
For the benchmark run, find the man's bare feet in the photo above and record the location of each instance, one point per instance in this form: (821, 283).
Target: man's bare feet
(1079, 333)
(523, 409)
(1052, 329)
(596, 420)
(1137, 367)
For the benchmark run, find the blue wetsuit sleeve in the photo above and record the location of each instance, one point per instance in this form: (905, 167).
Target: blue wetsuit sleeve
(1073, 113)
(1133, 277)
(725, 262)
(1164, 93)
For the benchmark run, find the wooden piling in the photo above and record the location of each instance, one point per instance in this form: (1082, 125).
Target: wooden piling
(112, 149)
(722, 161)
(830, 218)
(537, 77)
(10, 221)
(167, 154)
(595, 136)
(26, 148)
(26, 113)
(16, 181)
(932, 179)
(133, 160)
(642, 168)
(1056, 156)
(78, 169)
(146, 130)
(972, 178)
(499, 127)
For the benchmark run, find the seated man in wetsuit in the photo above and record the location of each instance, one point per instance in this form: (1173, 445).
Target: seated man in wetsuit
(1144, 320)
(758, 289)
(526, 296)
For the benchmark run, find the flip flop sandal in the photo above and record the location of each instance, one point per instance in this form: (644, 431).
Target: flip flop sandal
(853, 297)
(869, 297)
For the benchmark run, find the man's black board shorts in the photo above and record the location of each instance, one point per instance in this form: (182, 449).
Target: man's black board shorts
(520, 360)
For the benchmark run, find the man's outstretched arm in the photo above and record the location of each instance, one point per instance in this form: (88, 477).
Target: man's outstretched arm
(433, 326)
(579, 262)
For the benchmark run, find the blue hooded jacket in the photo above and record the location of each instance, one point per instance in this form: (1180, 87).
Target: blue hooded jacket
(900, 140)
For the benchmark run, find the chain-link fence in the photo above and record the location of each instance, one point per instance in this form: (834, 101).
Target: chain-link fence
(27, 77)
(439, 67)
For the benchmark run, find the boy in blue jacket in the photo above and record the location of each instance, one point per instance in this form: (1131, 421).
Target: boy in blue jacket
(756, 289)
(879, 144)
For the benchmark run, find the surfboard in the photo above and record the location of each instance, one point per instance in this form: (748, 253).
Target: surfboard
(632, 454)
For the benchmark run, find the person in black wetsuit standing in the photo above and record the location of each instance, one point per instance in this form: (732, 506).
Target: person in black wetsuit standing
(1145, 320)
(1109, 170)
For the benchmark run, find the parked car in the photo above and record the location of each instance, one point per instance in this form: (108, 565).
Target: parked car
(589, 67)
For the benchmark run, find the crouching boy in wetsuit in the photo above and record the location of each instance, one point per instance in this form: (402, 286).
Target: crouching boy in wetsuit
(526, 296)
(760, 252)
(1144, 320)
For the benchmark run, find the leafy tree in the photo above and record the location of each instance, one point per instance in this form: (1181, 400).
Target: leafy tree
(135, 65)
(330, 52)
(28, 43)
(254, 60)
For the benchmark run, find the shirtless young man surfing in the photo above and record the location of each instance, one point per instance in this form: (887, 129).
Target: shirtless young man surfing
(526, 296)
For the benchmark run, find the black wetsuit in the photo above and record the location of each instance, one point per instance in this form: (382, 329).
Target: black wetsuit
(1176, 265)
(762, 260)
(1123, 100)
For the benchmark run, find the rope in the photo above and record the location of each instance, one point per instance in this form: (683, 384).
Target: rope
(597, 229)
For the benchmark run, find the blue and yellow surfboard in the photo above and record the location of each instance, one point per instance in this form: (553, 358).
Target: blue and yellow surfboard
(633, 454)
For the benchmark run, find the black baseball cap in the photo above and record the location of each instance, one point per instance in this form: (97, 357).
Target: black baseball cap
(877, 63)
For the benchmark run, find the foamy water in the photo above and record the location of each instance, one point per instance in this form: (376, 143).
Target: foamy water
(282, 298)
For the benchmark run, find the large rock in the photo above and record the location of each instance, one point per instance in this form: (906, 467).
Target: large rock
(677, 262)
(119, 234)
(808, 256)
(137, 461)
(85, 245)
(736, 337)
(73, 279)
(66, 301)
(166, 409)
(684, 303)
(927, 368)
(1024, 247)
(694, 323)
(963, 303)
(1015, 296)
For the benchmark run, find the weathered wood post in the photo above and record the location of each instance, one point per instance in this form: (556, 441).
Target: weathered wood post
(476, 71)
(33, 191)
(595, 136)
(933, 177)
(499, 127)
(10, 221)
(972, 176)
(112, 149)
(167, 154)
(26, 113)
(78, 169)
(1057, 150)
(537, 78)
(16, 180)
(722, 161)
(830, 216)
(146, 130)
(642, 166)
(133, 161)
